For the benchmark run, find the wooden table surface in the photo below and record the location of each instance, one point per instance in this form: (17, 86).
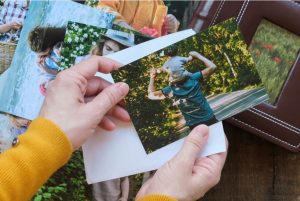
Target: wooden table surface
(256, 170)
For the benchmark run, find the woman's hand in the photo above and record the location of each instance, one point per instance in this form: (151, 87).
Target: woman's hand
(187, 177)
(78, 102)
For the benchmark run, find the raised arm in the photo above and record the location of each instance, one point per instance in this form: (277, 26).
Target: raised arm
(153, 94)
(210, 66)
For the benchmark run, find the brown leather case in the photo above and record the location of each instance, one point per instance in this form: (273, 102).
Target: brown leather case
(279, 124)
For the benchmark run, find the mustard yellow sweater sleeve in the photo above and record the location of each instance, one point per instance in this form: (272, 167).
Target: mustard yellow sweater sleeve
(24, 168)
(42, 150)
(156, 197)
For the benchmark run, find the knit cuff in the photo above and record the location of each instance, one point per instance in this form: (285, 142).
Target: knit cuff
(156, 197)
(50, 139)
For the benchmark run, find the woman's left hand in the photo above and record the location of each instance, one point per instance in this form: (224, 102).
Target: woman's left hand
(78, 102)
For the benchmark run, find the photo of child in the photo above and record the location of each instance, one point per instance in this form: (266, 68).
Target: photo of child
(82, 41)
(112, 41)
(184, 87)
(38, 53)
(46, 43)
(200, 80)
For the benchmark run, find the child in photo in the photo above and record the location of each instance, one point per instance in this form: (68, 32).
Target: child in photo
(51, 62)
(53, 59)
(185, 87)
(47, 43)
(112, 41)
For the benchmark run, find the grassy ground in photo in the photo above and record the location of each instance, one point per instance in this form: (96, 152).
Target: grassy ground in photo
(229, 104)
(274, 51)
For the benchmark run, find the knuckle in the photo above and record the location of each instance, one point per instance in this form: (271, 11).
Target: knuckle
(112, 96)
(194, 142)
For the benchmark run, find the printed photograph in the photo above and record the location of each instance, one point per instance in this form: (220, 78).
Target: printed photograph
(82, 41)
(152, 18)
(12, 16)
(274, 58)
(200, 80)
(39, 50)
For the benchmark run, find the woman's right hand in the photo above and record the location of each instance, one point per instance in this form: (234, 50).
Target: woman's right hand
(187, 177)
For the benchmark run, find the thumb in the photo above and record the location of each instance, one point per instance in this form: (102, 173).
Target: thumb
(193, 144)
(108, 98)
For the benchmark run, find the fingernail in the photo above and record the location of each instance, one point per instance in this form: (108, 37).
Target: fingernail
(123, 87)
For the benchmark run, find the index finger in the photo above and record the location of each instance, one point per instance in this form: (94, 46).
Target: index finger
(88, 68)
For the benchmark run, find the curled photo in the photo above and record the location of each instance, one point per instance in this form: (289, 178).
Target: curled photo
(200, 80)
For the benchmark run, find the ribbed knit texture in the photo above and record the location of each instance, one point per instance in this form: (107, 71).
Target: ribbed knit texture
(24, 168)
(156, 197)
(42, 150)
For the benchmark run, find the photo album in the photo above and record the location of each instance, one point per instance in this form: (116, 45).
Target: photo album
(177, 82)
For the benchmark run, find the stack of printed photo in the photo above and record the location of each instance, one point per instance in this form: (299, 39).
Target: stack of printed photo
(177, 80)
